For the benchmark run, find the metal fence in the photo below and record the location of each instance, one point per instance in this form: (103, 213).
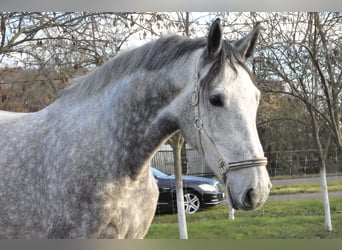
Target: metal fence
(301, 162)
(294, 162)
(192, 162)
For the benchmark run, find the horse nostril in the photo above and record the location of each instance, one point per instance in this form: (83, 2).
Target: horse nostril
(249, 198)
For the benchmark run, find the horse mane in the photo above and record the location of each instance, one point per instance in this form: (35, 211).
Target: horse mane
(153, 55)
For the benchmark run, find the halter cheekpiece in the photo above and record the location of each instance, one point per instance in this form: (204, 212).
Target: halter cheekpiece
(201, 134)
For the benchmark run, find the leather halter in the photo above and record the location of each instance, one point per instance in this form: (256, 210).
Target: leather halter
(202, 134)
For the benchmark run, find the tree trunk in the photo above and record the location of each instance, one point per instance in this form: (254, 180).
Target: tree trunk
(324, 186)
(176, 143)
(231, 210)
(325, 198)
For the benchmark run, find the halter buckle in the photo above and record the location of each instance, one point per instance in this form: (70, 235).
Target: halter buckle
(222, 164)
(194, 98)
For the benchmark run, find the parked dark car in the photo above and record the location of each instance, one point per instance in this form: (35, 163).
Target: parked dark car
(199, 192)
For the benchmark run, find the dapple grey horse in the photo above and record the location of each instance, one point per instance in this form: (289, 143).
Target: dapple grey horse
(79, 168)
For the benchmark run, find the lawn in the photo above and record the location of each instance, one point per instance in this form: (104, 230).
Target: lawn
(294, 219)
(304, 188)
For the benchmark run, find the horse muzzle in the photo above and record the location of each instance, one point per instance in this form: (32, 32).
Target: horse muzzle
(256, 192)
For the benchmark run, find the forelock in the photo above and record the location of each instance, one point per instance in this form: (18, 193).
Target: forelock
(227, 54)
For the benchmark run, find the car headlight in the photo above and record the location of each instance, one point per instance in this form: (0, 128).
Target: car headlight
(207, 187)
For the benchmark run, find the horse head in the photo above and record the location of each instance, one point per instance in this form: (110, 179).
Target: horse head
(224, 102)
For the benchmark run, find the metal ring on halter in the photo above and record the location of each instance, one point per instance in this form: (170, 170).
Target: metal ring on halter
(198, 123)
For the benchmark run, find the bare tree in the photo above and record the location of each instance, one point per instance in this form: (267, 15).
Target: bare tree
(299, 56)
(61, 45)
(301, 53)
(176, 142)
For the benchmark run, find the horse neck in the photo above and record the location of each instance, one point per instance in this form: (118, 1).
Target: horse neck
(145, 105)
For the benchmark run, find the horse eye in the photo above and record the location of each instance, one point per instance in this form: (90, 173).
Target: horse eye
(216, 100)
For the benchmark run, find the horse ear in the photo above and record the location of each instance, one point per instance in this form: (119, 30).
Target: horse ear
(214, 39)
(246, 46)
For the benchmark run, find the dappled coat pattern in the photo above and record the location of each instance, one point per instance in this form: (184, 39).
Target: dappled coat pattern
(79, 168)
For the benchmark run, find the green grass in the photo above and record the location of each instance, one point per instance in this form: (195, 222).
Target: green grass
(295, 219)
(304, 188)
(281, 177)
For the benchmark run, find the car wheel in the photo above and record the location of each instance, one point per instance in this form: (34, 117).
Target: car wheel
(191, 203)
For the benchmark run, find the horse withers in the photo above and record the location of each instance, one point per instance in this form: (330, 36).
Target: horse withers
(79, 168)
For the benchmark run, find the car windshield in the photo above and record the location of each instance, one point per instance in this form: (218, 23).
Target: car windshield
(158, 173)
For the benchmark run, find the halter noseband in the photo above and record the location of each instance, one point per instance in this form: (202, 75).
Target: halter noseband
(224, 166)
